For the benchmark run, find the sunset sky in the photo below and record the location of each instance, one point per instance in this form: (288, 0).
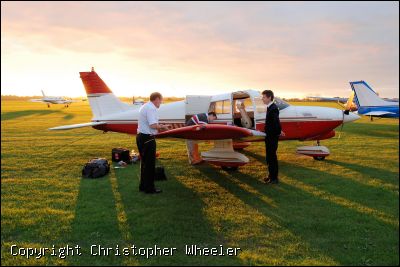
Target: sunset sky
(293, 48)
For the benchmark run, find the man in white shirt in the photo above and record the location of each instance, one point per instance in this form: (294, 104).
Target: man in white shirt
(148, 126)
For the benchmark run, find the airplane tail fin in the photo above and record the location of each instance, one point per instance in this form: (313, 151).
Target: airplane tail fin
(43, 93)
(365, 96)
(101, 99)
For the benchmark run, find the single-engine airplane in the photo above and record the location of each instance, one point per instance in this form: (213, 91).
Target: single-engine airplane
(241, 120)
(53, 100)
(370, 104)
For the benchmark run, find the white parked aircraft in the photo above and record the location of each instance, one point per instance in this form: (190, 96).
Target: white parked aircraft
(53, 100)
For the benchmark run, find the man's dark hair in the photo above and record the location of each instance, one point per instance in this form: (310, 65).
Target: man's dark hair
(212, 113)
(155, 95)
(268, 93)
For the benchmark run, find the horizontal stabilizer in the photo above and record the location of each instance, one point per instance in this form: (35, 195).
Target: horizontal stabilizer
(377, 113)
(74, 126)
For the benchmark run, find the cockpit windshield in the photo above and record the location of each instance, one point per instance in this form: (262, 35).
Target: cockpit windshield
(281, 103)
(262, 108)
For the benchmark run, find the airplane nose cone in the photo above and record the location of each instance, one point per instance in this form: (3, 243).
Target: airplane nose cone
(350, 117)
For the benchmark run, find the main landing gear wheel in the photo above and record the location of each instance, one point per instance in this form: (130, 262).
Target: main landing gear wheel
(229, 168)
(319, 157)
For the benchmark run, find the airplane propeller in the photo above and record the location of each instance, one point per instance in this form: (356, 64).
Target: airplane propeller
(346, 111)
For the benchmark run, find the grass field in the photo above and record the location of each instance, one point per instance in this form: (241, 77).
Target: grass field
(341, 211)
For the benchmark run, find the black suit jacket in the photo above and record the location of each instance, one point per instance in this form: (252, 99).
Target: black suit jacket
(272, 122)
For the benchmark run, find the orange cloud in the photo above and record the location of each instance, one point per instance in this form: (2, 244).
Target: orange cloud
(200, 47)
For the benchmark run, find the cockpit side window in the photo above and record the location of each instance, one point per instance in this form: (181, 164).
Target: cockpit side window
(221, 107)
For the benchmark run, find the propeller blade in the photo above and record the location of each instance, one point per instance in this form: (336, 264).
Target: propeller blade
(349, 102)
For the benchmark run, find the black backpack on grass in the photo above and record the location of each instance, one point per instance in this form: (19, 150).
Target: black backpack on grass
(95, 168)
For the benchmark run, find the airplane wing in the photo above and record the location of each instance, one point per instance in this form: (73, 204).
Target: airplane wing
(377, 113)
(36, 100)
(211, 132)
(74, 126)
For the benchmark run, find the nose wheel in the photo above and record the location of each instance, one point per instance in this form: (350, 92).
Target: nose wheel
(318, 152)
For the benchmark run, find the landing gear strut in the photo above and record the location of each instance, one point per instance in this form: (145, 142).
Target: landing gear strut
(319, 157)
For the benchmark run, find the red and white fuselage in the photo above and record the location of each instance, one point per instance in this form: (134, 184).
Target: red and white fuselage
(240, 115)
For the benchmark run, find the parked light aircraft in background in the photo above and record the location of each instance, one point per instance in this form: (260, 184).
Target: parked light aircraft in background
(53, 100)
(241, 120)
(323, 98)
(365, 101)
(370, 104)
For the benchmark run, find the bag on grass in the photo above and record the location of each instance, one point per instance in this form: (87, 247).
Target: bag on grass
(96, 168)
(119, 154)
(160, 174)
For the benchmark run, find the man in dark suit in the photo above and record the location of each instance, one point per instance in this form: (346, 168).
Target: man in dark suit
(273, 131)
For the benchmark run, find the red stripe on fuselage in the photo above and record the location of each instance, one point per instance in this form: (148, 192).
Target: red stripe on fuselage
(300, 130)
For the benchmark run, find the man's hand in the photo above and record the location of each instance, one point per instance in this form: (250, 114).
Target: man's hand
(164, 127)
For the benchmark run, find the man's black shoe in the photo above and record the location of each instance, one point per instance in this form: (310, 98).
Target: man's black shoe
(154, 191)
(271, 181)
(267, 180)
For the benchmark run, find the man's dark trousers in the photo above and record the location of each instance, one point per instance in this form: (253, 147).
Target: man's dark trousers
(147, 150)
(271, 146)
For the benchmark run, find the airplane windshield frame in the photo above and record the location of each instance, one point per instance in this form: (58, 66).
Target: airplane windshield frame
(262, 108)
(281, 103)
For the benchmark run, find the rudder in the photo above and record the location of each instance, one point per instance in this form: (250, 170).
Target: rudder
(101, 99)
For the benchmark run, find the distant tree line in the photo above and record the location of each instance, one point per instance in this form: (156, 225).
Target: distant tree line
(137, 98)
(123, 98)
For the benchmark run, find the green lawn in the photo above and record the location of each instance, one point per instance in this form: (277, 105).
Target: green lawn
(341, 211)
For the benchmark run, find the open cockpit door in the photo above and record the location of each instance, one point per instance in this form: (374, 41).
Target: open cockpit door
(260, 110)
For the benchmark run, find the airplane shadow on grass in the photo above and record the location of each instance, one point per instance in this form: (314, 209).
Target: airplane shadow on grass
(23, 113)
(112, 211)
(343, 187)
(326, 227)
(371, 172)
